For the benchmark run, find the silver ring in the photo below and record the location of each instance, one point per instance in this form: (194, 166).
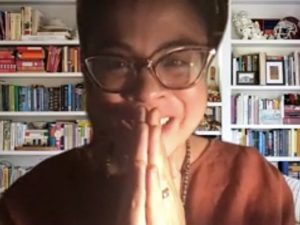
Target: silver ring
(165, 193)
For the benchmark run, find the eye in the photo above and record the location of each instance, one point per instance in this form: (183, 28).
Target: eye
(173, 62)
(114, 65)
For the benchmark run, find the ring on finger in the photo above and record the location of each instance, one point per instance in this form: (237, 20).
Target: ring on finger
(165, 193)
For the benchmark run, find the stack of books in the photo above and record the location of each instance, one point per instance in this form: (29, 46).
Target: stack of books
(291, 109)
(7, 60)
(30, 59)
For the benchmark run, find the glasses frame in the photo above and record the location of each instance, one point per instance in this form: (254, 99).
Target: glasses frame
(151, 63)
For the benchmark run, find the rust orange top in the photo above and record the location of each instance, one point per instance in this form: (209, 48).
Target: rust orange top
(230, 185)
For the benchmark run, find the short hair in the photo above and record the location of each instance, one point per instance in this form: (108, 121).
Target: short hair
(214, 13)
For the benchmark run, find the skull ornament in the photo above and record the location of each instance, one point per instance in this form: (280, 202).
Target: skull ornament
(287, 28)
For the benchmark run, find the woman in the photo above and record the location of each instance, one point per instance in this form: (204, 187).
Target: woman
(145, 64)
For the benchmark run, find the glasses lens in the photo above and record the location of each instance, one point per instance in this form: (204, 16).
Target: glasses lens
(180, 69)
(112, 73)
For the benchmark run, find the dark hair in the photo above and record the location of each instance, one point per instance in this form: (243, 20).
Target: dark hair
(212, 12)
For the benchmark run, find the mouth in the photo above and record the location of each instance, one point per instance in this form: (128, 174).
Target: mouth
(164, 120)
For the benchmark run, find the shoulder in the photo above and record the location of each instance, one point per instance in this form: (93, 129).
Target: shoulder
(54, 176)
(240, 165)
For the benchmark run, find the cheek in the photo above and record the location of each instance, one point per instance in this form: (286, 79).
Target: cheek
(196, 103)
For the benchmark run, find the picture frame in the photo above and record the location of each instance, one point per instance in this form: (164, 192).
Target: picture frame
(246, 78)
(274, 72)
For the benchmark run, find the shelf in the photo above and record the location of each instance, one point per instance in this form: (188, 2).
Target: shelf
(37, 1)
(282, 158)
(40, 75)
(265, 88)
(54, 42)
(207, 133)
(29, 153)
(259, 2)
(214, 104)
(42, 116)
(265, 43)
(265, 126)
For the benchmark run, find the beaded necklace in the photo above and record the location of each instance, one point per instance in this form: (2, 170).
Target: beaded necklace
(185, 171)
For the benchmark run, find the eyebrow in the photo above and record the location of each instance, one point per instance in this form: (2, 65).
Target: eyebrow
(108, 45)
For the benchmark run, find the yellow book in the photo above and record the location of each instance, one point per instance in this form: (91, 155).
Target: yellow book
(5, 178)
(297, 140)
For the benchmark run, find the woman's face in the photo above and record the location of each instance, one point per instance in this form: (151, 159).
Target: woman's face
(138, 30)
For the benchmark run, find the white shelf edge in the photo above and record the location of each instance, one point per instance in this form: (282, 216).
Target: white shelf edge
(265, 126)
(40, 75)
(208, 133)
(37, 1)
(260, 2)
(269, 43)
(42, 114)
(29, 153)
(264, 88)
(48, 42)
(282, 158)
(214, 104)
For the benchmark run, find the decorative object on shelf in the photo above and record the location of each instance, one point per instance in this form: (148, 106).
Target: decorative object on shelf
(274, 72)
(213, 88)
(267, 26)
(246, 28)
(246, 78)
(287, 28)
(211, 120)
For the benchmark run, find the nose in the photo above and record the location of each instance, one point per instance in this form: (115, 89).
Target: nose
(147, 88)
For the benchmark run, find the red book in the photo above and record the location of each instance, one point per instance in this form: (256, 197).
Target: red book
(7, 61)
(291, 120)
(29, 48)
(7, 55)
(31, 69)
(31, 55)
(30, 63)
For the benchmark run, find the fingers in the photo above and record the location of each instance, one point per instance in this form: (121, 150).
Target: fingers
(154, 150)
(138, 201)
(154, 197)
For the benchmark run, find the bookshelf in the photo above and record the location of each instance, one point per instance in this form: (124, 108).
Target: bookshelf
(233, 46)
(51, 9)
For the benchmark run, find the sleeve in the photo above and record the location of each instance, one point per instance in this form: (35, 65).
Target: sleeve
(5, 218)
(287, 204)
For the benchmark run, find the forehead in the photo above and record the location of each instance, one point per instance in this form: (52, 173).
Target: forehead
(145, 25)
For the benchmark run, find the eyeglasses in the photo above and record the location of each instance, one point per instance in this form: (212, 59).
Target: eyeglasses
(176, 69)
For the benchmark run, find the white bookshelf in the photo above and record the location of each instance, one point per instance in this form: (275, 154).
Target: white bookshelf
(281, 158)
(208, 133)
(214, 104)
(66, 11)
(264, 126)
(233, 44)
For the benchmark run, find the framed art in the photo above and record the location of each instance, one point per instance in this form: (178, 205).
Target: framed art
(246, 78)
(274, 72)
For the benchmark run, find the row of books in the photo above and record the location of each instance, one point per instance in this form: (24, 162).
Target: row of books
(40, 59)
(9, 174)
(66, 97)
(291, 169)
(26, 24)
(285, 71)
(59, 135)
(278, 142)
(254, 109)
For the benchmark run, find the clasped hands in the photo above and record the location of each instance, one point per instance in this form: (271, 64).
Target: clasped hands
(150, 196)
